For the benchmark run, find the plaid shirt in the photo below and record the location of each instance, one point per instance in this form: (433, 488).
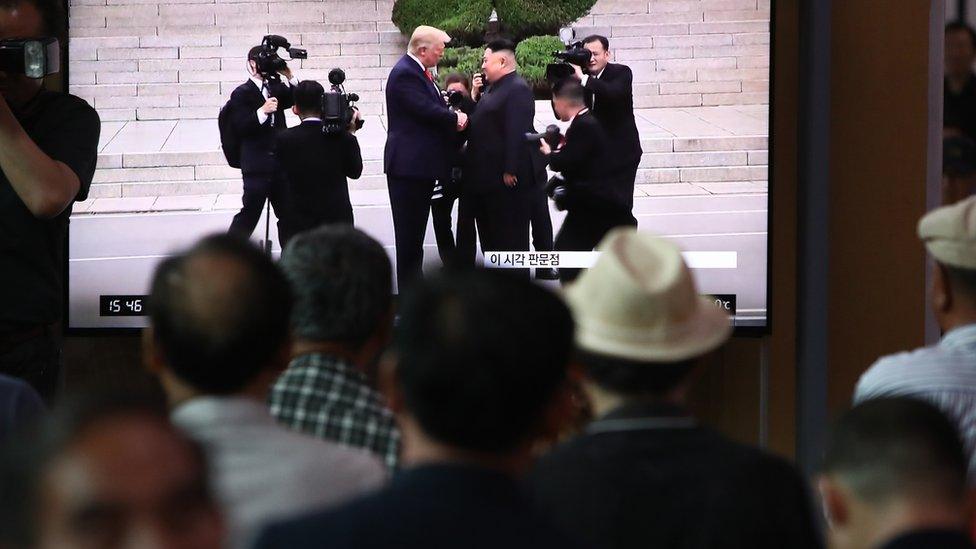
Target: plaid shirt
(325, 396)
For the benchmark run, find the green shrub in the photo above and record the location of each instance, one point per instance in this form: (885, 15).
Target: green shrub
(463, 20)
(466, 20)
(464, 60)
(533, 54)
(522, 18)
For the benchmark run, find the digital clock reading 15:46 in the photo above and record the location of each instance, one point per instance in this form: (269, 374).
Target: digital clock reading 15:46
(122, 305)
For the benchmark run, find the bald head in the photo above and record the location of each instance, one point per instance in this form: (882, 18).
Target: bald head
(219, 314)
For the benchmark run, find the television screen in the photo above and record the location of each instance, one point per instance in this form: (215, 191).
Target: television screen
(158, 73)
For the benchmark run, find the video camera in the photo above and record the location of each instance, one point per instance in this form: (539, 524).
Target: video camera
(453, 98)
(575, 54)
(338, 106)
(269, 64)
(551, 136)
(34, 58)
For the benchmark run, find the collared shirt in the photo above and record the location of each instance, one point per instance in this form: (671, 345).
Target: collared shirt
(262, 116)
(325, 396)
(586, 77)
(943, 374)
(417, 59)
(262, 471)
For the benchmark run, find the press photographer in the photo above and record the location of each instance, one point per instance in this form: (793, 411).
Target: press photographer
(248, 123)
(48, 150)
(317, 160)
(594, 199)
(610, 96)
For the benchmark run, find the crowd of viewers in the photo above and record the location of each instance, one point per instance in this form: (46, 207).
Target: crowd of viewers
(301, 407)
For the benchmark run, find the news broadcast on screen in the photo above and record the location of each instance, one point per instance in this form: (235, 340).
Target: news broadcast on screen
(515, 143)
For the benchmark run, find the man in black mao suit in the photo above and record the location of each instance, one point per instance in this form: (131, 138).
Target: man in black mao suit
(593, 199)
(502, 169)
(316, 164)
(610, 97)
(258, 112)
(420, 136)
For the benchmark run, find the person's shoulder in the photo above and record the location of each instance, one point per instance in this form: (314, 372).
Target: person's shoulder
(350, 523)
(242, 90)
(897, 372)
(70, 106)
(617, 69)
(323, 457)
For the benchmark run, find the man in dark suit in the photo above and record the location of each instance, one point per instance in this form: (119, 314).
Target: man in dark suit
(468, 433)
(419, 140)
(258, 112)
(595, 200)
(502, 170)
(610, 96)
(317, 164)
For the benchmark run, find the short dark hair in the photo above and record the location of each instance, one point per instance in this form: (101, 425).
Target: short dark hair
(632, 378)
(957, 26)
(481, 355)
(215, 335)
(308, 97)
(26, 458)
(52, 14)
(897, 446)
(252, 54)
(456, 77)
(501, 44)
(570, 90)
(962, 280)
(597, 38)
(342, 282)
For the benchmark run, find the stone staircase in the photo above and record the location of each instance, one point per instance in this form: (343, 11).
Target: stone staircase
(158, 73)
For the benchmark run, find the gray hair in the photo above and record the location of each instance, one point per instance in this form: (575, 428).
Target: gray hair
(343, 285)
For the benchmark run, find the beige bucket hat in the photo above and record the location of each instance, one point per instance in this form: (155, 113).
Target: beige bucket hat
(639, 302)
(949, 234)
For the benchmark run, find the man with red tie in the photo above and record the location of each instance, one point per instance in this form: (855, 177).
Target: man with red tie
(420, 135)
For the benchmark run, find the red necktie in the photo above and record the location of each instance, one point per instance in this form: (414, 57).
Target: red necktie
(427, 74)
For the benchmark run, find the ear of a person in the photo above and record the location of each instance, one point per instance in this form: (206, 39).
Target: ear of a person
(834, 501)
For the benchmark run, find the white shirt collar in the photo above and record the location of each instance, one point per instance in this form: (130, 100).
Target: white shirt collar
(584, 111)
(603, 71)
(419, 62)
(258, 82)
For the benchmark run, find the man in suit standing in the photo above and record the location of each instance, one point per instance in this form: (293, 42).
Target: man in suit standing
(611, 99)
(418, 144)
(594, 202)
(502, 168)
(258, 113)
(317, 164)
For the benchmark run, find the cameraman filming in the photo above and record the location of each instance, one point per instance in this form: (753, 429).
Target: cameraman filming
(610, 96)
(258, 113)
(316, 164)
(593, 201)
(48, 150)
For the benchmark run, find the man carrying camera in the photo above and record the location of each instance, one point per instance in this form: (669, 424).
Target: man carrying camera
(593, 201)
(316, 163)
(48, 150)
(610, 96)
(257, 113)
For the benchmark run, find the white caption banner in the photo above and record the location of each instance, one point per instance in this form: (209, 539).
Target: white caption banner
(585, 260)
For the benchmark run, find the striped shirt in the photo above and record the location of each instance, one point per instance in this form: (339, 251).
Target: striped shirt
(943, 374)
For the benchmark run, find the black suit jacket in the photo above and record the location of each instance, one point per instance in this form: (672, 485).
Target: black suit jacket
(582, 161)
(647, 476)
(257, 155)
(614, 108)
(496, 138)
(420, 129)
(316, 166)
(429, 507)
(930, 539)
